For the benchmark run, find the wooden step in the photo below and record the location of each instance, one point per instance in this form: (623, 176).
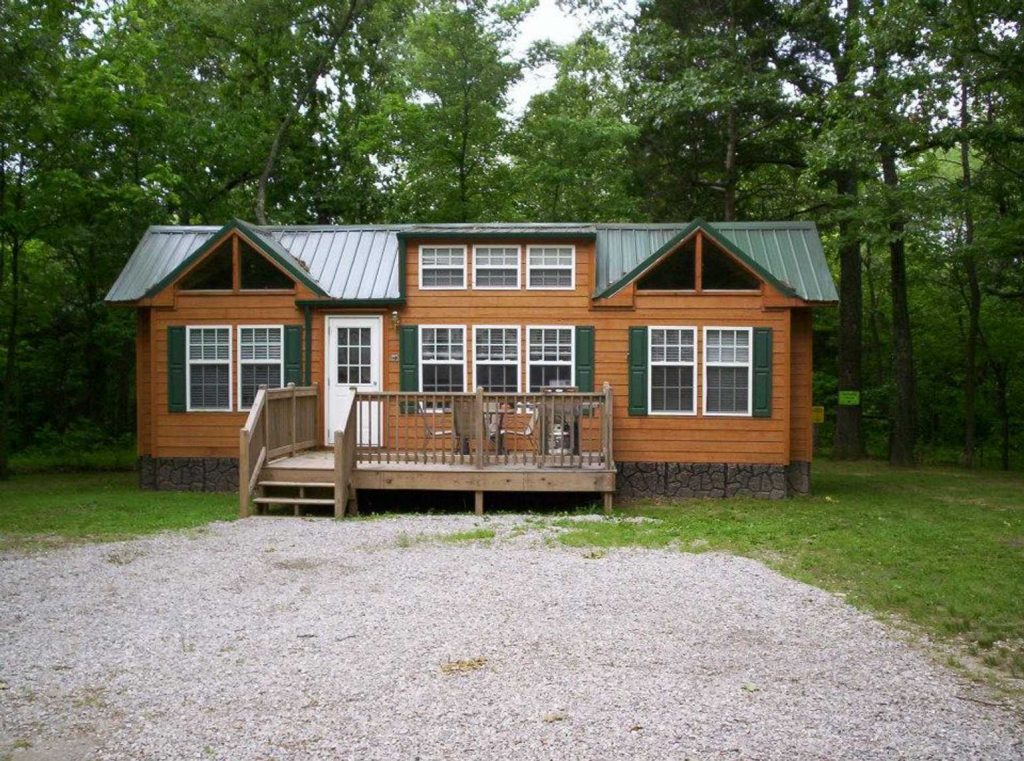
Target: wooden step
(292, 501)
(297, 484)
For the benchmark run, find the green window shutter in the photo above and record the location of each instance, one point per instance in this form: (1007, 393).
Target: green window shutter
(408, 358)
(293, 354)
(585, 357)
(762, 372)
(176, 399)
(638, 371)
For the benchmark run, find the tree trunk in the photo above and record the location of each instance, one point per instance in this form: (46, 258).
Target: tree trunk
(973, 290)
(875, 320)
(1001, 372)
(337, 34)
(903, 432)
(732, 140)
(849, 437)
(10, 366)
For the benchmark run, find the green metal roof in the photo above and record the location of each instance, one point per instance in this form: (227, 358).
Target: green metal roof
(363, 263)
(787, 254)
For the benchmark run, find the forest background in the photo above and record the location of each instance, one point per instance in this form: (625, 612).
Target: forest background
(897, 126)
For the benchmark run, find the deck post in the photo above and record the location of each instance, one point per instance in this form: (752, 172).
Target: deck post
(606, 427)
(243, 474)
(294, 420)
(266, 422)
(478, 503)
(609, 498)
(480, 432)
(340, 487)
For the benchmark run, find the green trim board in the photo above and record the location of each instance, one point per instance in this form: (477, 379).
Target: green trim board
(347, 303)
(496, 234)
(269, 249)
(716, 237)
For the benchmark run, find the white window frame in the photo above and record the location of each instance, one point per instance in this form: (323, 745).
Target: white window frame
(189, 362)
(519, 269)
(519, 354)
(572, 354)
(530, 268)
(651, 364)
(280, 329)
(465, 357)
(749, 364)
(442, 287)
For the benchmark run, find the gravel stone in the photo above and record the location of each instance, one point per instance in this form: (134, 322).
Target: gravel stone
(317, 639)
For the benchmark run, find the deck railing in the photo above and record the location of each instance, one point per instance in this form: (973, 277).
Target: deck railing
(282, 421)
(566, 429)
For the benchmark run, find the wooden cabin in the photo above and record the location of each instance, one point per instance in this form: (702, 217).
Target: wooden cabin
(302, 364)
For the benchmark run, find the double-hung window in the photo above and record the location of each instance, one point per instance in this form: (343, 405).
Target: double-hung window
(496, 267)
(673, 371)
(442, 358)
(260, 360)
(442, 267)
(550, 353)
(209, 368)
(496, 358)
(727, 371)
(551, 267)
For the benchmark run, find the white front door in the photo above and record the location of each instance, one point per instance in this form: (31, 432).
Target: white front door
(353, 359)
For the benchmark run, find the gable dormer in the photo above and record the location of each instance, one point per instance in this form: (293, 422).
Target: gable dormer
(697, 260)
(238, 258)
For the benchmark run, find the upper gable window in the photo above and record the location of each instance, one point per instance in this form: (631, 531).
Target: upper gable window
(676, 272)
(258, 273)
(213, 273)
(496, 267)
(551, 268)
(442, 267)
(720, 272)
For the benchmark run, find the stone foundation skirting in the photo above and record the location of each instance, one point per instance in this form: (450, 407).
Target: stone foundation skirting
(188, 473)
(716, 479)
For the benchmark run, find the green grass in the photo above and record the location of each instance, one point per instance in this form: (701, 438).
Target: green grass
(53, 508)
(109, 458)
(942, 548)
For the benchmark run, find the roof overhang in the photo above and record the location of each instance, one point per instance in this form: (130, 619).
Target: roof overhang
(349, 303)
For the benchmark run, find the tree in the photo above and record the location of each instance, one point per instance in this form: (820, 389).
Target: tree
(707, 98)
(572, 143)
(450, 134)
(825, 66)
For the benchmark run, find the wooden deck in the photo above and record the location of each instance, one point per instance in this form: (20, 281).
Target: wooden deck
(455, 442)
(317, 466)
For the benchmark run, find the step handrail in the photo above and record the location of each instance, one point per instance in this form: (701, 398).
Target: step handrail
(281, 421)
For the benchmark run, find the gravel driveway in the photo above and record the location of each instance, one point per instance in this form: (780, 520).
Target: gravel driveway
(287, 638)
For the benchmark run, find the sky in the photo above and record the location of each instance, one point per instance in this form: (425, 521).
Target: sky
(545, 22)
